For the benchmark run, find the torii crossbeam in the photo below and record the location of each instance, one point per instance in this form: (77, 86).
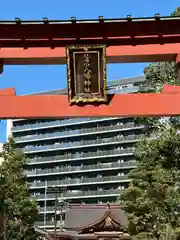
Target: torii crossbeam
(127, 40)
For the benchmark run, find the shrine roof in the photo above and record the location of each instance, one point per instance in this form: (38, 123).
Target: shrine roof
(85, 221)
(81, 216)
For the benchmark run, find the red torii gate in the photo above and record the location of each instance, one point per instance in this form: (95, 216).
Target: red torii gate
(128, 40)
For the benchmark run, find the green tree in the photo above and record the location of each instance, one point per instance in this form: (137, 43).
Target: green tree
(156, 75)
(152, 200)
(18, 209)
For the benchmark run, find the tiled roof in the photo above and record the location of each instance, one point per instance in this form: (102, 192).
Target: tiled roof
(81, 216)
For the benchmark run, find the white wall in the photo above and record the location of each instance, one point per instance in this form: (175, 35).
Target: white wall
(8, 128)
(9, 125)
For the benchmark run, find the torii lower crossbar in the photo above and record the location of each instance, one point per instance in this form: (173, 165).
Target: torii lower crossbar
(57, 106)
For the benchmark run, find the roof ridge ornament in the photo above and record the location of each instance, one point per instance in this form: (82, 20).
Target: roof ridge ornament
(108, 222)
(108, 206)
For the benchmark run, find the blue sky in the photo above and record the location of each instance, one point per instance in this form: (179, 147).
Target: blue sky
(28, 79)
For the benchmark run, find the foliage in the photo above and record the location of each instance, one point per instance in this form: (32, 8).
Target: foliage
(152, 200)
(18, 210)
(176, 13)
(156, 75)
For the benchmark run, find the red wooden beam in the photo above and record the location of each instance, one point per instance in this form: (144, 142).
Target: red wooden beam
(57, 106)
(138, 40)
(79, 29)
(7, 92)
(171, 89)
(109, 41)
(115, 54)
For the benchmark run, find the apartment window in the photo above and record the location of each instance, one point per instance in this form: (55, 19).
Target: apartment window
(121, 174)
(120, 161)
(120, 136)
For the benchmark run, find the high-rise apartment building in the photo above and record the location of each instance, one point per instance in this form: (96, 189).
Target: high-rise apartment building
(91, 157)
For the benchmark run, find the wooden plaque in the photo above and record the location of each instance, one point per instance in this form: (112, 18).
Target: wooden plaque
(86, 67)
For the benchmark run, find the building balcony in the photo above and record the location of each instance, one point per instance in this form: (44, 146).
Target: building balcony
(48, 224)
(80, 194)
(77, 132)
(78, 156)
(79, 169)
(49, 209)
(58, 123)
(82, 181)
(82, 144)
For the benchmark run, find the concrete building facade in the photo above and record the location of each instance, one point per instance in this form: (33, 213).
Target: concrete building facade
(90, 157)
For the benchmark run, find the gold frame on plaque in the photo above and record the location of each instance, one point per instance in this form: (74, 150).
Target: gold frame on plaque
(98, 97)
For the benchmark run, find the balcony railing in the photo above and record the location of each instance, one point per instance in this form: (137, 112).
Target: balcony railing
(50, 209)
(74, 169)
(81, 156)
(62, 122)
(81, 194)
(84, 181)
(70, 132)
(81, 143)
(48, 224)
